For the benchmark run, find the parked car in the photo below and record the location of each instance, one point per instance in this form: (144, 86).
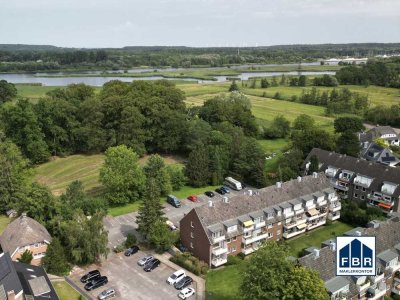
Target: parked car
(95, 283)
(151, 265)
(209, 194)
(184, 282)
(144, 260)
(192, 198)
(132, 250)
(107, 294)
(176, 276)
(90, 275)
(220, 191)
(186, 293)
(171, 199)
(171, 225)
(227, 190)
(182, 247)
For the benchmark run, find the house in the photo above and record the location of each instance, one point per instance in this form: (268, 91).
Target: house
(360, 180)
(387, 279)
(20, 281)
(379, 154)
(25, 233)
(386, 133)
(240, 224)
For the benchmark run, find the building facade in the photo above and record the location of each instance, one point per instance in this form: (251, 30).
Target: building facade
(360, 180)
(386, 133)
(387, 279)
(23, 234)
(240, 224)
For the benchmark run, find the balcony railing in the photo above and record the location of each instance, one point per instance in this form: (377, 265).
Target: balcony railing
(288, 235)
(289, 214)
(333, 217)
(254, 238)
(335, 206)
(247, 251)
(299, 211)
(377, 278)
(216, 262)
(260, 224)
(322, 203)
(248, 228)
(219, 251)
(315, 225)
(363, 287)
(218, 239)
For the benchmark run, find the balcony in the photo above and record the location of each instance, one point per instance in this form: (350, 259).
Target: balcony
(322, 203)
(294, 223)
(216, 262)
(395, 268)
(333, 217)
(259, 225)
(377, 278)
(299, 211)
(363, 287)
(315, 225)
(288, 235)
(335, 206)
(219, 251)
(254, 238)
(218, 239)
(248, 228)
(247, 251)
(341, 187)
(288, 214)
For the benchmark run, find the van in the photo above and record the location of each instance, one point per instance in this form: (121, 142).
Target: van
(171, 199)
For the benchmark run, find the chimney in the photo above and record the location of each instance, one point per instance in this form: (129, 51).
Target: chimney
(225, 199)
(315, 175)
(357, 233)
(299, 178)
(23, 215)
(11, 295)
(210, 203)
(278, 184)
(250, 192)
(316, 253)
(332, 246)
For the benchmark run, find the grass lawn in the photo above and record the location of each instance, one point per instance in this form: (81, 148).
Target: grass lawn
(316, 237)
(181, 194)
(4, 221)
(65, 291)
(271, 146)
(223, 284)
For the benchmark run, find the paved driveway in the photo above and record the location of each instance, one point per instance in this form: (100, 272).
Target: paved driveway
(130, 281)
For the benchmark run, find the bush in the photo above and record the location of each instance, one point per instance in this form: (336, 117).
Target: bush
(241, 255)
(130, 240)
(234, 260)
(190, 263)
(278, 96)
(119, 248)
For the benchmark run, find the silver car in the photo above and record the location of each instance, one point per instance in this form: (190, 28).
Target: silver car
(145, 260)
(107, 294)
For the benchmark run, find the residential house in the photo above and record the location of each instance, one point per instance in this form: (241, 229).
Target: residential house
(387, 279)
(240, 224)
(20, 281)
(386, 133)
(379, 154)
(25, 233)
(357, 179)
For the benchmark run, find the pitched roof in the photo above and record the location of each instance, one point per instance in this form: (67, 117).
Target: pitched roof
(244, 204)
(21, 232)
(379, 172)
(8, 275)
(378, 131)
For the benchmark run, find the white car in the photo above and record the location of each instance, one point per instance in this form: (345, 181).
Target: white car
(144, 260)
(171, 225)
(175, 277)
(107, 294)
(186, 293)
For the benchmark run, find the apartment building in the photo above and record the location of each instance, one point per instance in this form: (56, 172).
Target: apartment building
(387, 279)
(240, 224)
(357, 179)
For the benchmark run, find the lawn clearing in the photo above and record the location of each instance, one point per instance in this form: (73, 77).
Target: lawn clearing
(66, 292)
(316, 237)
(276, 145)
(4, 221)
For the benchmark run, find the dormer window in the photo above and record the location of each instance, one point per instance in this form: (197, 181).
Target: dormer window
(388, 188)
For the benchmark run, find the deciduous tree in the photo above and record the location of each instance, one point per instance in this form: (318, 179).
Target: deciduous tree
(55, 261)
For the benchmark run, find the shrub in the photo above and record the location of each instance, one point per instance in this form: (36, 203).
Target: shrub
(119, 248)
(234, 260)
(278, 96)
(190, 263)
(130, 240)
(241, 255)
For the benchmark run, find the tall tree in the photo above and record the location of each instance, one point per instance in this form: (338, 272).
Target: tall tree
(26, 257)
(7, 91)
(197, 167)
(353, 124)
(348, 144)
(55, 261)
(121, 175)
(161, 237)
(233, 87)
(279, 128)
(151, 210)
(156, 168)
(303, 122)
(269, 275)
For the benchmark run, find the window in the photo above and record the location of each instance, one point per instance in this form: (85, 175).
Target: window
(192, 234)
(191, 224)
(234, 239)
(270, 235)
(191, 245)
(364, 189)
(228, 240)
(233, 249)
(356, 187)
(355, 195)
(270, 225)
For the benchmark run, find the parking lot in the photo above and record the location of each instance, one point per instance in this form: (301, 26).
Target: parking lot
(130, 281)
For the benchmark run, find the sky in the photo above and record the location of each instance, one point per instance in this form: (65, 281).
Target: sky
(198, 23)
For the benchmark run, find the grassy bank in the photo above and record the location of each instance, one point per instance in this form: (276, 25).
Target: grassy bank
(66, 292)
(4, 221)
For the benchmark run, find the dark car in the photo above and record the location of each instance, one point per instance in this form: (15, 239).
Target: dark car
(225, 189)
(209, 194)
(184, 282)
(175, 202)
(89, 276)
(95, 283)
(131, 250)
(151, 265)
(220, 191)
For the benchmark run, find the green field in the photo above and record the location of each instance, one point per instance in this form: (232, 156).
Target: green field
(66, 292)
(224, 283)
(4, 221)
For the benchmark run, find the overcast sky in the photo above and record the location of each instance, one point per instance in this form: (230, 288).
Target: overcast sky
(118, 23)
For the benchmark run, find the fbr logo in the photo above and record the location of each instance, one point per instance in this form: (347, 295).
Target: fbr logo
(355, 255)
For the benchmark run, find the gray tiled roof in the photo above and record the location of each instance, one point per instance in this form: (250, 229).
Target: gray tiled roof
(336, 284)
(359, 166)
(242, 205)
(387, 255)
(8, 275)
